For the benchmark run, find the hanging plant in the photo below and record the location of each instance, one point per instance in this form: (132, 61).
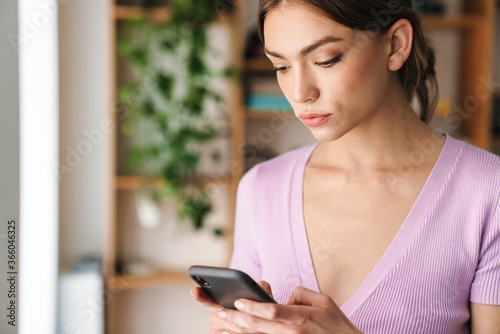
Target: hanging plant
(167, 102)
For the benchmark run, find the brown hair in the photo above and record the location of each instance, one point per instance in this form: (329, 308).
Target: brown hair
(417, 74)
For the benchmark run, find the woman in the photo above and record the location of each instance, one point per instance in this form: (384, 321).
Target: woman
(385, 226)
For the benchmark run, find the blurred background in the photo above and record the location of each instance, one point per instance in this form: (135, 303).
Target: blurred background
(126, 127)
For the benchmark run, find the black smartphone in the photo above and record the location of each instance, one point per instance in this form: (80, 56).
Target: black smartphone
(226, 285)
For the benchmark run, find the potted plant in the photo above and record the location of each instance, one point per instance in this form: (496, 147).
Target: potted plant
(167, 102)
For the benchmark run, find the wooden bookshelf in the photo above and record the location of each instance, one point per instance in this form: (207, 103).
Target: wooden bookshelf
(114, 280)
(153, 14)
(132, 182)
(126, 182)
(134, 12)
(131, 282)
(451, 21)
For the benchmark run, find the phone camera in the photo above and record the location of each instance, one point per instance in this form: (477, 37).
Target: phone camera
(202, 281)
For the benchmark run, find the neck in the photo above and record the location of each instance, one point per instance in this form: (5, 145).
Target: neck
(383, 141)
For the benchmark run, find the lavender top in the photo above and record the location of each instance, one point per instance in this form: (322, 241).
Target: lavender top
(446, 253)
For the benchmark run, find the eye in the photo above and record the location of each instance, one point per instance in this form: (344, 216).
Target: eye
(281, 69)
(330, 62)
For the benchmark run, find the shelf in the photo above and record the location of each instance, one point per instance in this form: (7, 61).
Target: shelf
(161, 279)
(451, 21)
(136, 12)
(129, 182)
(261, 64)
(269, 114)
(123, 182)
(155, 14)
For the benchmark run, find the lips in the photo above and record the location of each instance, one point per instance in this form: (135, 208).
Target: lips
(312, 120)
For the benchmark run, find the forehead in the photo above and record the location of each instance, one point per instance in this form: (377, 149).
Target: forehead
(298, 25)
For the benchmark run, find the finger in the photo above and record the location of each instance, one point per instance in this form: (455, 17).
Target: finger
(271, 313)
(267, 288)
(202, 297)
(303, 296)
(218, 321)
(253, 324)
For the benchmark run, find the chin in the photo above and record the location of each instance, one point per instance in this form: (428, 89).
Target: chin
(327, 136)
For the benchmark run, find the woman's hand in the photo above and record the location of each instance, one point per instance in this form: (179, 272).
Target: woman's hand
(306, 312)
(220, 325)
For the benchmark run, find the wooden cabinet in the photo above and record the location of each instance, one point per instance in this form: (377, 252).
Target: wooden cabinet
(476, 78)
(119, 283)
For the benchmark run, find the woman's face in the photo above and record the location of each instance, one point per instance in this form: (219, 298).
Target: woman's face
(335, 78)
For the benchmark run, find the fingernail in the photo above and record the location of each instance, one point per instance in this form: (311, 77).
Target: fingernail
(239, 304)
(222, 314)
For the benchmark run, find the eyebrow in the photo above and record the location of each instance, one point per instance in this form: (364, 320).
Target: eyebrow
(310, 48)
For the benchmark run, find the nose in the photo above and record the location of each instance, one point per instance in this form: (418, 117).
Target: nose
(304, 88)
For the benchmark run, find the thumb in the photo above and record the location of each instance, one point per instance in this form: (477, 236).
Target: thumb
(267, 288)
(303, 296)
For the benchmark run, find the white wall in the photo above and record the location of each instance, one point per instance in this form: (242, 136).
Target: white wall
(85, 136)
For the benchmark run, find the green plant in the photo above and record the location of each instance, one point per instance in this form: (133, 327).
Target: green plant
(168, 101)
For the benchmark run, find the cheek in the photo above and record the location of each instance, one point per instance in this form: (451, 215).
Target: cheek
(363, 82)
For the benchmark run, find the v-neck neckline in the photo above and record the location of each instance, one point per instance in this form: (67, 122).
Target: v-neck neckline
(396, 249)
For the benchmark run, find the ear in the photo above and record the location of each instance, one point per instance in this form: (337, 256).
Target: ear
(401, 39)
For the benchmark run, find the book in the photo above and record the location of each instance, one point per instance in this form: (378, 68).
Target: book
(267, 102)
